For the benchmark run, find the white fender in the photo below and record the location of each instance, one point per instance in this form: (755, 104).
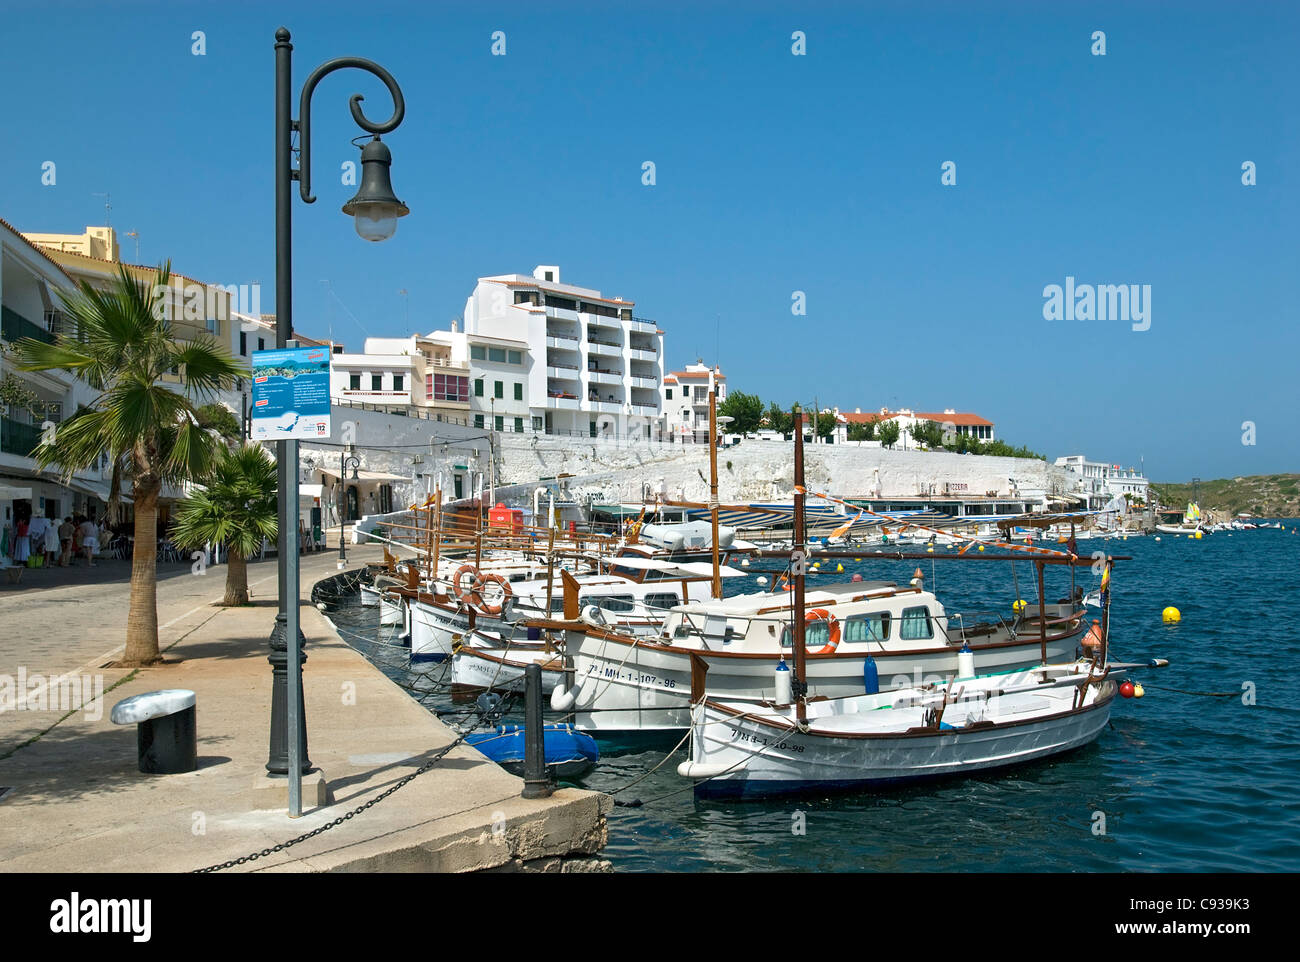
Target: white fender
(563, 699)
(701, 770)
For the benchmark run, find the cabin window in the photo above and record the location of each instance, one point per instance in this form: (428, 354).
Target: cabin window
(557, 605)
(916, 624)
(874, 627)
(816, 634)
(664, 601)
(618, 603)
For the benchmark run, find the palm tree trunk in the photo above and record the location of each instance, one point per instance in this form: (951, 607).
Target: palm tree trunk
(142, 618)
(236, 579)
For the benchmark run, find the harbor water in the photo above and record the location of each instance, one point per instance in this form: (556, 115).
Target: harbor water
(1198, 775)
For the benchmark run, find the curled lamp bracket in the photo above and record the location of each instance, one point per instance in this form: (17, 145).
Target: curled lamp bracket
(354, 104)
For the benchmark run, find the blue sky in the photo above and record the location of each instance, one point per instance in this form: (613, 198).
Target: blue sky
(775, 173)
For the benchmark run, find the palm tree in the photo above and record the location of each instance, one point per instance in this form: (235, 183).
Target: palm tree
(236, 509)
(123, 345)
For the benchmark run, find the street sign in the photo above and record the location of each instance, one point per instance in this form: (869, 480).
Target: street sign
(291, 394)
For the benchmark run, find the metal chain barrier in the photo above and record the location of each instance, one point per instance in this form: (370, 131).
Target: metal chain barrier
(343, 818)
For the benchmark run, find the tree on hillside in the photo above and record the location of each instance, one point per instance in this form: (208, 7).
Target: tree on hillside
(928, 433)
(823, 424)
(123, 346)
(888, 432)
(778, 419)
(746, 410)
(862, 432)
(235, 509)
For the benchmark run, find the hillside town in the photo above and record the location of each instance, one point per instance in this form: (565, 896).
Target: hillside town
(540, 383)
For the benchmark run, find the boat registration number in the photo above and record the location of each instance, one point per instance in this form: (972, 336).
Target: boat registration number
(636, 677)
(744, 736)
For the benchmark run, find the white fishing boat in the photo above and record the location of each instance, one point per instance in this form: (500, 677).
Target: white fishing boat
(969, 721)
(961, 726)
(855, 632)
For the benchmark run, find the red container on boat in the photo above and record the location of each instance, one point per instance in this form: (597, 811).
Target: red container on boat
(503, 517)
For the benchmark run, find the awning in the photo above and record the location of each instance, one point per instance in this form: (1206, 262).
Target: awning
(364, 475)
(311, 490)
(8, 493)
(673, 569)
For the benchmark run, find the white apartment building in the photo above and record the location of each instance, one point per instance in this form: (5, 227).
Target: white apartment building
(30, 284)
(1100, 482)
(561, 359)
(686, 401)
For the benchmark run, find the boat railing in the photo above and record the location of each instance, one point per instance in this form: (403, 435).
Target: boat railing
(963, 626)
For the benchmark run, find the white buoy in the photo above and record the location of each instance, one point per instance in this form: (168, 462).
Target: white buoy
(965, 662)
(762, 579)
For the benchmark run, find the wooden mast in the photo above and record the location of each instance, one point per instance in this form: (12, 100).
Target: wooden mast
(713, 489)
(1042, 611)
(798, 562)
(437, 540)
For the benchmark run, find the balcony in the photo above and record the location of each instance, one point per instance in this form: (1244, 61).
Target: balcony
(649, 383)
(640, 354)
(644, 325)
(645, 408)
(561, 402)
(562, 343)
(14, 326)
(18, 438)
(563, 372)
(561, 312)
(604, 348)
(444, 362)
(605, 377)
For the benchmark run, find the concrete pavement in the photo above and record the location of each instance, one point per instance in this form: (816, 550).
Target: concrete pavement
(76, 801)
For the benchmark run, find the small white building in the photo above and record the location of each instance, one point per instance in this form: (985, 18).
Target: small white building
(1100, 482)
(686, 401)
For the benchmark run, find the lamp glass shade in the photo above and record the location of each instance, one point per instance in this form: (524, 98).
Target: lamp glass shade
(375, 222)
(375, 208)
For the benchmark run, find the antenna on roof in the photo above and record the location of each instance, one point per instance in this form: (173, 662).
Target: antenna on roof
(108, 208)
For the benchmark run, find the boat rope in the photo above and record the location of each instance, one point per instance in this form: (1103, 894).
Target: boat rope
(401, 783)
(636, 802)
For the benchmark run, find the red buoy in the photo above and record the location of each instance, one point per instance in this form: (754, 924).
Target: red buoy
(1126, 689)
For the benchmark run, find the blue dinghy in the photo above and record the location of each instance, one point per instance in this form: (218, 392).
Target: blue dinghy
(568, 753)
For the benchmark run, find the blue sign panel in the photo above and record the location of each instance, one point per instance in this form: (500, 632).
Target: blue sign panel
(291, 394)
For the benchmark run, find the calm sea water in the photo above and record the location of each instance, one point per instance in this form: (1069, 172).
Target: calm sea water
(1185, 782)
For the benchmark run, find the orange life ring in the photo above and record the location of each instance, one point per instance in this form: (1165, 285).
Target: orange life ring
(463, 593)
(1093, 638)
(833, 625)
(483, 606)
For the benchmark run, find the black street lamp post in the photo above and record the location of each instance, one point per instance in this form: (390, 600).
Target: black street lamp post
(346, 460)
(375, 209)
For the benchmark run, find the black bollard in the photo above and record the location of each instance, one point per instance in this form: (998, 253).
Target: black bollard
(537, 782)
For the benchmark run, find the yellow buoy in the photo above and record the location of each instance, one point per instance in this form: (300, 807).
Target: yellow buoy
(1171, 615)
(1138, 691)
(981, 547)
(817, 564)
(857, 559)
(839, 567)
(1197, 536)
(1018, 605)
(929, 550)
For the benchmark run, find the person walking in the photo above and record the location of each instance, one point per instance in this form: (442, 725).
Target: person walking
(66, 531)
(89, 540)
(22, 543)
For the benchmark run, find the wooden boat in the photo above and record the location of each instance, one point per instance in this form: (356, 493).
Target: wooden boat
(796, 742)
(868, 741)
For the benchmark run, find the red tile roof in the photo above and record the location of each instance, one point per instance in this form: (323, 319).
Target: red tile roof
(40, 250)
(957, 418)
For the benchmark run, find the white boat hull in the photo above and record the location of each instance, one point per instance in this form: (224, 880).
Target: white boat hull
(620, 687)
(747, 758)
(495, 669)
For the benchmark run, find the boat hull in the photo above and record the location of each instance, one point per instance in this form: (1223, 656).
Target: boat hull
(767, 762)
(649, 686)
